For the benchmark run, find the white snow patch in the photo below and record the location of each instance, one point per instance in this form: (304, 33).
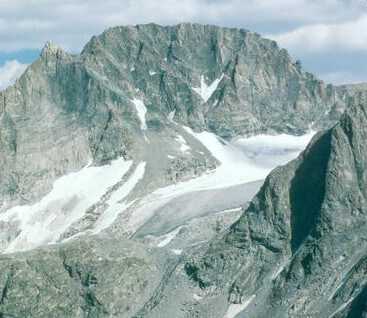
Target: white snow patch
(177, 252)
(151, 73)
(115, 206)
(184, 146)
(170, 157)
(141, 111)
(197, 297)
(344, 305)
(234, 309)
(171, 115)
(279, 270)
(229, 210)
(167, 238)
(270, 151)
(69, 199)
(206, 91)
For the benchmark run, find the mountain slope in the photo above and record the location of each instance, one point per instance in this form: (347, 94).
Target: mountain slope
(162, 135)
(67, 110)
(299, 249)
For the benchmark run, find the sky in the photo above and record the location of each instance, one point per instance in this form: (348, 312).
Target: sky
(328, 36)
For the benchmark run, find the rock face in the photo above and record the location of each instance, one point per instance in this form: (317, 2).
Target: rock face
(79, 279)
(298, 250)
(300, 247)
(68, 110)
(98, 154)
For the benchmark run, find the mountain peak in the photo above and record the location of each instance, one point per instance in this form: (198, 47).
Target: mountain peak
(52, 49)
(145, 136)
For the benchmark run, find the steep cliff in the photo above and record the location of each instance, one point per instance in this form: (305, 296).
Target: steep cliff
(299, 249)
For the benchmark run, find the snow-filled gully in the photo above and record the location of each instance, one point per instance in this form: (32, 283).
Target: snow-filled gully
(206, 91)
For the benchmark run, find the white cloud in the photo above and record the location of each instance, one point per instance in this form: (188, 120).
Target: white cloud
(311, 30)
(343, 77)
(70, 23)
(347, 36)
(9, 73)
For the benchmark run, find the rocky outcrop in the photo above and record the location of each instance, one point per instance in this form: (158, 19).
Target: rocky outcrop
(80, 279)
(300, 247)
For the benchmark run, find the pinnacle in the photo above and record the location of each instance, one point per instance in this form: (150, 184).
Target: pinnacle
(51, 48)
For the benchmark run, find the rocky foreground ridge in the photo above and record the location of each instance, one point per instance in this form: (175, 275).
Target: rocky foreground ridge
(299, 249)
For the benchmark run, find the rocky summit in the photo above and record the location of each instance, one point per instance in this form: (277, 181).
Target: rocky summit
(134, 181)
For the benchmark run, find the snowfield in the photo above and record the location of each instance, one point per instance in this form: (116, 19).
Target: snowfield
(115, 206)
(237, 167)
(270, 151)
(241, 162)
(70, 197)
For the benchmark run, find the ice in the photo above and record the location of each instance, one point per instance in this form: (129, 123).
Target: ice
(141, 111)
(67, 202)
(273, 150)
(235, 309)
(197, 297)
(184, 147)
(151, 73)
(206, 91)
(236, 167)
(169, 237)
(115, 206)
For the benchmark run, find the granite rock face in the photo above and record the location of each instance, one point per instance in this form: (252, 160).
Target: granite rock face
(136, 99)
(300, 247)
(79, 279)
(68, 110)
